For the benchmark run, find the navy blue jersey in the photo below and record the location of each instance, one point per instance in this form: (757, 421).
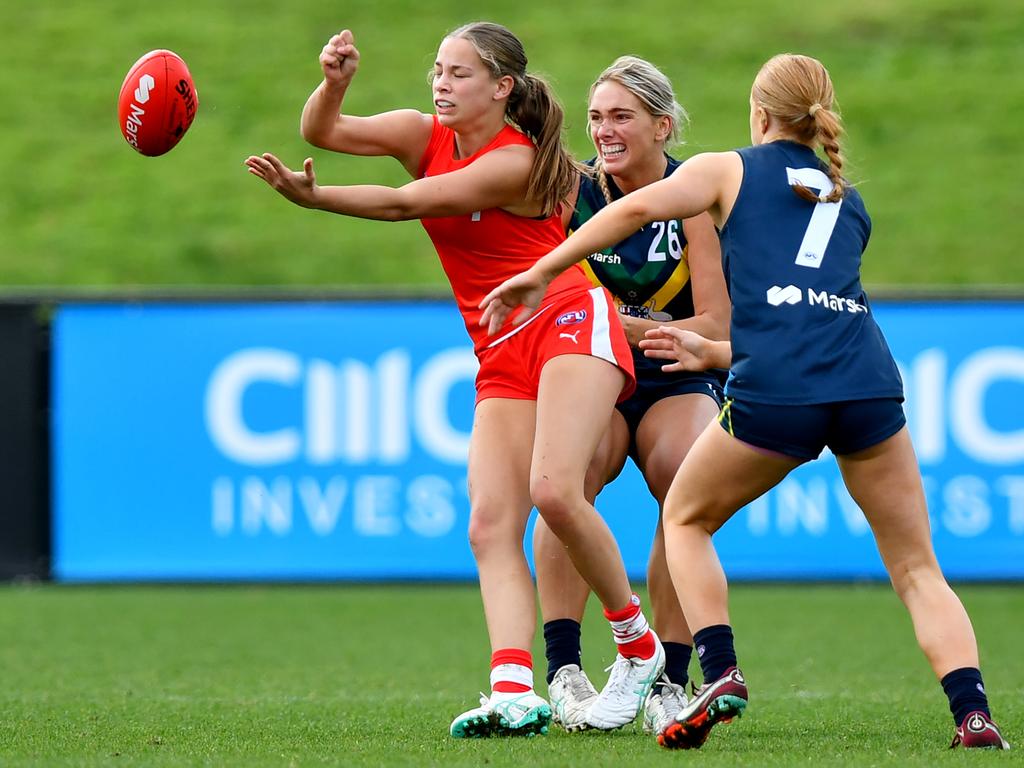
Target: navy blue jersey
(802, 329)
(647, 274)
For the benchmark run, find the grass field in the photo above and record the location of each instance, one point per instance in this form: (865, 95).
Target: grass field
(926, 87)
(371, 675)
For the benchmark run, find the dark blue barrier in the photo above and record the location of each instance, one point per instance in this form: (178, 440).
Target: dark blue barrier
(328, 441)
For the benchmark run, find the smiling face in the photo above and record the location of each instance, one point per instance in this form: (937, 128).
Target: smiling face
(624, 133)
(463, 86)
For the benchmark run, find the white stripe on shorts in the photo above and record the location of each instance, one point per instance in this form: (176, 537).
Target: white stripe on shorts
(518, 328)
(600, 334)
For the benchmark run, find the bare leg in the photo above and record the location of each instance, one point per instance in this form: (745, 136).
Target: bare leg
(499, 473)
(664, 436)
(886, 482)
(576, 397)
(698, 504)
(563, 592)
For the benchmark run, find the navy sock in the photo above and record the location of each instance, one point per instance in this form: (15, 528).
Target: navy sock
(562, 645)
(677, 662)
(966, 693)
(715, 650)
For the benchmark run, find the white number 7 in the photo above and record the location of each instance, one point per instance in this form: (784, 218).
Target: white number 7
(823, 219)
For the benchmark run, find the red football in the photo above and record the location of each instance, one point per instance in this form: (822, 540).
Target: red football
(157, 103)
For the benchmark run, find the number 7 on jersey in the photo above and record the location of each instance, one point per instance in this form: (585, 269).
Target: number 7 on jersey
(823, 218)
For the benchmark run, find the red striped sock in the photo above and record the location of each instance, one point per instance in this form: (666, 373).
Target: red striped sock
(632, 634)
(511, 671)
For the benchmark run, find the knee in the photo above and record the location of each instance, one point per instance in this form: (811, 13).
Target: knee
(914, 575)
(555, 499)
(685, 513)
(491, 528)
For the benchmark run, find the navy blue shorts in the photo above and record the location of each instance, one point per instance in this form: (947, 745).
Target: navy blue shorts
(803, 431)
(653, 384)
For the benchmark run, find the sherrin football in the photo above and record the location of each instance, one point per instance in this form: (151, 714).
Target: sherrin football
(157, 103)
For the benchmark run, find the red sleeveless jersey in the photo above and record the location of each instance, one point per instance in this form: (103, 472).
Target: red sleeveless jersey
(480, 250)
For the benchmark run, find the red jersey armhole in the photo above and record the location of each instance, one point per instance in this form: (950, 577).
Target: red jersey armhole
(436, 136)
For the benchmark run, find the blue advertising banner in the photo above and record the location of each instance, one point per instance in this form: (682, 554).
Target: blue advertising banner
(328, 441)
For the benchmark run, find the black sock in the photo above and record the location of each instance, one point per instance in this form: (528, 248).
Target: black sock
(715, 650)
(966, 693)
(562, 645)
(677, 662)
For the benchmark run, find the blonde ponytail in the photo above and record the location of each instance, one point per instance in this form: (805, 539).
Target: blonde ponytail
(797, 90)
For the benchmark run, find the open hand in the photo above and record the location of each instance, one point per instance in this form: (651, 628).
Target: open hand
(689, 350)
(526, 289)
(299, 187)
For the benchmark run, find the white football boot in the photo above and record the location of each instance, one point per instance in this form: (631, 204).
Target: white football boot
(664, 702)
(571, 694)
(473, 723)
(626, 690)
(503, 714)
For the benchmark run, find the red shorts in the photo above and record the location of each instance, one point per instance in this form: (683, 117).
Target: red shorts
(582, 322)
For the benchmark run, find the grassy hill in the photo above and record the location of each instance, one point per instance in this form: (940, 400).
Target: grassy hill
(926, 86)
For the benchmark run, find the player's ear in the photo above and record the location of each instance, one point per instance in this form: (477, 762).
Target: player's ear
(505, 85)
(664, 129)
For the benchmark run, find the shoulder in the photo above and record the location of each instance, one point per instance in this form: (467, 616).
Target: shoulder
(712, 163)
(512, 136)
(510, 142)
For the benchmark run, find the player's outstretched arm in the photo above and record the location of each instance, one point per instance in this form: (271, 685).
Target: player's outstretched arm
(693, 188)
(496, 180)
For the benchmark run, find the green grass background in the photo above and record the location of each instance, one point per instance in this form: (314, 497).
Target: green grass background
(930, 90)
(371, 675)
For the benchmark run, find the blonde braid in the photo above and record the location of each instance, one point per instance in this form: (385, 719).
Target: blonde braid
(798, 91)
(829, 129)
(602, 180)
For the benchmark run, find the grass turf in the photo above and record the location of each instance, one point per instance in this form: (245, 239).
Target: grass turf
(371, 675)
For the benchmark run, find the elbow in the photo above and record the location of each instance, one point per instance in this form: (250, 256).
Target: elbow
(639, 215)
(404, 206)
(317, 133)
(397, 210)
(713, 324)
(395, 213)
(313, 137)
(720, 326)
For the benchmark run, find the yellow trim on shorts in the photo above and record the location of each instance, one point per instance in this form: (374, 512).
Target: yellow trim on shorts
(726, 413)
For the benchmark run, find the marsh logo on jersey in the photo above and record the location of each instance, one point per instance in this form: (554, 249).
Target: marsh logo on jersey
(834, 302)
(789, 295)
(572, 318)
(777, 296)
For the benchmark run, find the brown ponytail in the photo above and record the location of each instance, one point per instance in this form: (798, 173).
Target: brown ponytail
(532, 108)
(537, 113)
(798, 91)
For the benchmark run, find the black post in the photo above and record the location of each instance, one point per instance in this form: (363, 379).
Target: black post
(24, 443)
